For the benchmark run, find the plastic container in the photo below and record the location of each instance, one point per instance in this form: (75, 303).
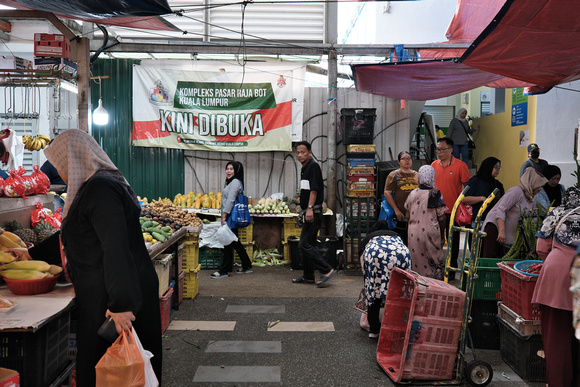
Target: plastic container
(31, 287)
(522, 266)
(357, 125)
(41, 356)
(210, 258)
(360, 193)
(361, 177)
(178, 290)
(165, 307)
(360, 162)
(420, 329)
(190, 254)
(356, 185)
(517, 290)
(163, 268)
(191, 283)
(361, 209)
(484, 327)
(361, 148)
(358, 171)
(249, 247)
(487, 285)
(520, 352)
(326, 246)
(524, 327)
(246, 234)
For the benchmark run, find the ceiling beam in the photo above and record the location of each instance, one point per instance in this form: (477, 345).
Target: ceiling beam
(23, 14)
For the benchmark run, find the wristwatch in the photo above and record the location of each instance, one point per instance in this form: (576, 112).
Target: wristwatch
(311, 207)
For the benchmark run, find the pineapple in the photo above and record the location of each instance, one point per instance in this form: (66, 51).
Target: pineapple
(27, 235)
(12, 225)
(43, 230)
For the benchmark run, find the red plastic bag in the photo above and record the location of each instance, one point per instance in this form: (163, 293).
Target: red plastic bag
(40, 214)
(1, 186)
(14, 186)
(122, 365)
(29, 182)
(463, 215)
(42, 181)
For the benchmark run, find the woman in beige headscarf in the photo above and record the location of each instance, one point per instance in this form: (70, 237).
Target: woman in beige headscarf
(501, 222)
(108, 263)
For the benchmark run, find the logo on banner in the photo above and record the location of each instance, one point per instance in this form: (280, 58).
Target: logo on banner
(159, 95)
(281, 81)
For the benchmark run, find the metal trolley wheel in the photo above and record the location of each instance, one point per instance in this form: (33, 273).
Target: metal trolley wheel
(478, 373)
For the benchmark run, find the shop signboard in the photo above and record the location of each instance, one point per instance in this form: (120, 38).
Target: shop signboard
(213, 110)
(519, 107)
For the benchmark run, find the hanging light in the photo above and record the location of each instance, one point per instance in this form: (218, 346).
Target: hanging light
(100, 115)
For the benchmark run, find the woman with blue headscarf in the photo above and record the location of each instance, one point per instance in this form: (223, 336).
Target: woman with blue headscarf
(558, 240)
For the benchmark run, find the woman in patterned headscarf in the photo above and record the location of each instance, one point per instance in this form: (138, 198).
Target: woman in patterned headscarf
(108, 263)
(558, 240)
(426, 214)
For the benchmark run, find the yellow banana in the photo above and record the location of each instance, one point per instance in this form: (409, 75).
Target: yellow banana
(46, 139)
(15, 238)
(28, 265)
(6, 258)
(23, 275)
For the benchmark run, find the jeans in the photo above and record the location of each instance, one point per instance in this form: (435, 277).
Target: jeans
(463, 150)
(312, 260)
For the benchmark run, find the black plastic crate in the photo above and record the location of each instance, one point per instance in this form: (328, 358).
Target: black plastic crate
(521, 353)
(39, 357)
(326, 246)
(358, 125)
(484, 327)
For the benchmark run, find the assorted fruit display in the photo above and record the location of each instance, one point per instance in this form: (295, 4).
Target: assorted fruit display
(161, 218)
(269, 206)
(199, 200)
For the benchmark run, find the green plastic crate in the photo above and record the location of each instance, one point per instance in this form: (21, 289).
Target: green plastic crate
(210, 258)
(488, 284)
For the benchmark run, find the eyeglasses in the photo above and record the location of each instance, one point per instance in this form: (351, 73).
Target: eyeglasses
(497, 167)
(406, 158)
(442, 149)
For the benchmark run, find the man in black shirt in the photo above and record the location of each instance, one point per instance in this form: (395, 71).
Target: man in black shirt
(311, 195)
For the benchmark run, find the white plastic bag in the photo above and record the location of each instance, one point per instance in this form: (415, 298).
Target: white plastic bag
(150, 377)
(225, 235)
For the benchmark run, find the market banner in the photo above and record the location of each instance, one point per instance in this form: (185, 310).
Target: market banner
(216, 110)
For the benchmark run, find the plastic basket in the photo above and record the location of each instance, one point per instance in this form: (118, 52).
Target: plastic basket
(210, 258)
(39, 357)
(191, 283)
(31, 287)
(190, 255)
(361, 177)
(246, 234)
(165, 308)
(484, 327)
(249, 247)
(517, 290)
(421, 328)
(356, 185)
(163, 268)
(326, 246)
(487, 285)
(358, 125)
(525, 327)
(358, 171)
(291, 228)
(521, 353)
(360, 193)
(361, 148)
(361, 162)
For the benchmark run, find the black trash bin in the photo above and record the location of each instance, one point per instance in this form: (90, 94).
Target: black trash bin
(326, 246)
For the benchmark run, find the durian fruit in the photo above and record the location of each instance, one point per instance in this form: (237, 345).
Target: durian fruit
(27, 235)
(43, 230)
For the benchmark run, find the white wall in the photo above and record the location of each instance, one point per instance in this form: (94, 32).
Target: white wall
(557, 116)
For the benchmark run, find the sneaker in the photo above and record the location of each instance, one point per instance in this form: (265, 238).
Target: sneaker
(373, 335)
(217, 274)
(244, 271)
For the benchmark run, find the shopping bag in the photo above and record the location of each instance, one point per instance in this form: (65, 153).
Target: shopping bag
(360, 304)
(463, 215)
(225, 235)
(240, 215)
(122, 365)
(150, 377)
(387, 213)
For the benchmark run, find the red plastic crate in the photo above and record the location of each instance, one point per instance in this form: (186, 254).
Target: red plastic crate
(165, 308)
(421, 328)
(517, 290)
(361, 177)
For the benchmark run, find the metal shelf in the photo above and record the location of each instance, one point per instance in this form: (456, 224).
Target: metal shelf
(32, 77)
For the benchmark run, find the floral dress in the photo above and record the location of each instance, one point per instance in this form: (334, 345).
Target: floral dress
(381, 255)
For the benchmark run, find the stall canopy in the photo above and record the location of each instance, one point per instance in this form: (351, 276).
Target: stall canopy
(532, 43)
(143, 14)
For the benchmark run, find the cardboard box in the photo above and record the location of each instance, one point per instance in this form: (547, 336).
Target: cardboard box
(15, 63)
(9, 378)
(58, 64)
(51, 45)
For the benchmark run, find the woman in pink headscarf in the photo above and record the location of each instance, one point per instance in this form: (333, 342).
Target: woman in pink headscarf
(108, 263)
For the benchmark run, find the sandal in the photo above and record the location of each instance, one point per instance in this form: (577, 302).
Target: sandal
(325, 278)
(302, 280)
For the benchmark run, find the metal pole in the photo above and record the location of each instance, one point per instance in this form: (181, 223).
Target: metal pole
(332, 130)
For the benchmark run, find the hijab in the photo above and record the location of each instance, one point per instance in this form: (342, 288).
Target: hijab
(486, 169)
(77, 154)
(238, 172)
(530, 181)
(458, 115)
(427, 182)
(554, 193)
(568, 232)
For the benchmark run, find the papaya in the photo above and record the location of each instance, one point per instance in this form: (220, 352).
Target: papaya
(206, 202)
(197, 204)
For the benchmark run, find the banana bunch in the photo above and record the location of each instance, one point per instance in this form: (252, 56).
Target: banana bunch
(35, 143)
(29, 270)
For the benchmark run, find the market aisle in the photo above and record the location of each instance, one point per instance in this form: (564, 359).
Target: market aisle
(261, 330)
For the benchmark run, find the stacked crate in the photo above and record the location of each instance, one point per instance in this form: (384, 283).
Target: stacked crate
(520, 331)
(246, 236)
(421, 328)
(190, 265)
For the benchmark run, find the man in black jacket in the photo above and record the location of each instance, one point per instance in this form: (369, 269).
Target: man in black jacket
(311, 196)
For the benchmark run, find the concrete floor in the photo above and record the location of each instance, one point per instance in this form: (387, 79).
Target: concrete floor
(238, 332)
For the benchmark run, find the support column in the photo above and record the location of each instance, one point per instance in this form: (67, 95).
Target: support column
(331, 135)
(80, 51)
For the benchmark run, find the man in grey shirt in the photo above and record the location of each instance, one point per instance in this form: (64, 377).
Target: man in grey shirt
(534, 160)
